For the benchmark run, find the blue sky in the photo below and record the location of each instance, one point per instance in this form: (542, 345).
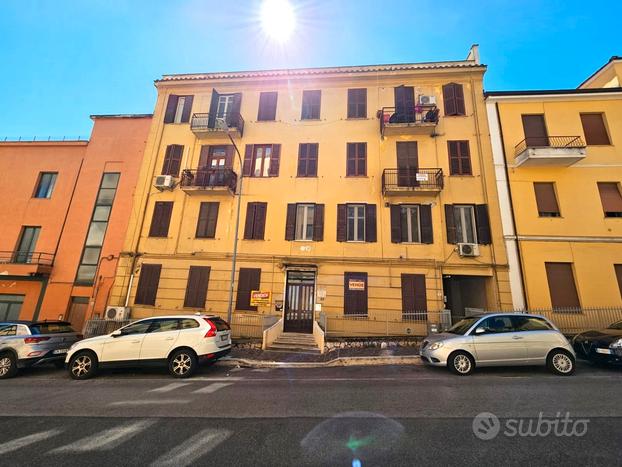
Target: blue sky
(63, 60)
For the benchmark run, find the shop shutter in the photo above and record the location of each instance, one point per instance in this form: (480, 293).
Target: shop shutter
(450, 223)
(483, 224)
(545, 199)
(318, 223)
(396, 223)
(355, 293)
(290, 222)
(594, 129)
(341, 222)
(425, 221)
(248, 279)
(171, 107)
(148, 282)
(562, 286)
(196, 289)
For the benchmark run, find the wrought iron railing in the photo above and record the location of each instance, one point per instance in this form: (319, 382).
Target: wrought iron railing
(26, 257)
(412, 179)
(419, 114)
(209, 178)
(377, 323)
(560, 142)
(210, 122)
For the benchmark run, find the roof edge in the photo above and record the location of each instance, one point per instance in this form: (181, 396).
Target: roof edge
(99, 116)
(544, 92)
(597, 72)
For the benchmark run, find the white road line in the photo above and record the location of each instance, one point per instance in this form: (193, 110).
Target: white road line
(150, 402)
(235, 370)
(190, 451)
(19, 443)
(107, 439)
(170, 387)
(261, 370)
(214, 379)
(211, 388)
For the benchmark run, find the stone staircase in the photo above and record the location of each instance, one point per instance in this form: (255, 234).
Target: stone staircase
(295, 342)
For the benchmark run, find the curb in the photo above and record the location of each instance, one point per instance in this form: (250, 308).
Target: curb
(337, 362)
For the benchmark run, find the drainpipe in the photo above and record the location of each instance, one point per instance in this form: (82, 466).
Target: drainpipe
(44, 286)
(237, 227)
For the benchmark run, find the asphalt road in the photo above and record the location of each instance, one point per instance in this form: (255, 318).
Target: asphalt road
(389, 415)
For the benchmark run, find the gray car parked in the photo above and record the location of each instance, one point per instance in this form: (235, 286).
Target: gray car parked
(25, 343)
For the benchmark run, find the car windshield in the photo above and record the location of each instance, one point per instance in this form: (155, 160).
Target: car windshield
(617, 325)
(462, 326)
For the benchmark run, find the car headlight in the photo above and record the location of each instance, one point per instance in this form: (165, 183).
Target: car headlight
(435, 346)
(616, 344)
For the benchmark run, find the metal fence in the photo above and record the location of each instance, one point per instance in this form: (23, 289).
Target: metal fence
(575, 320)
(385, 324)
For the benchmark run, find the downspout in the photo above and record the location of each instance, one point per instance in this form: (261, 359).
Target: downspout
(44, 286)
(73, 191)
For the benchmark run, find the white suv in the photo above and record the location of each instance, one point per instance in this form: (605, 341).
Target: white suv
(181, 342)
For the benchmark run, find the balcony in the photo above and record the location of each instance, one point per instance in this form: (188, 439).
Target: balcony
(422, 120)
(549, 151)
(24, 263)
(202, 181)
(409, 182)
(209, 126)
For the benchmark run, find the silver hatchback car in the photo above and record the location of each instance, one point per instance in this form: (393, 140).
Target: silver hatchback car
(500, 339)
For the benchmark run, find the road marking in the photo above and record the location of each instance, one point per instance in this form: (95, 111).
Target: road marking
(190, 451)
(261, 370)
(235, 370)
(107, 439)
(211, 388)
(19, 443)
(170, 387)
(150, 402)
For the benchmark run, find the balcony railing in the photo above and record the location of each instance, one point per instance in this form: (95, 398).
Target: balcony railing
(26, 257)
(421, 118)
(203, 124)
(412, 180)
(208, 179)
(559, 142)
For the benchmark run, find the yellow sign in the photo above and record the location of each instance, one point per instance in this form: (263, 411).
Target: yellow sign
(356, 284)
(260, 298)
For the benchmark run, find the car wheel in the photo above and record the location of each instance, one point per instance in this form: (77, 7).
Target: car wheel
(560, 362)
(461, 363)
(83, 365)
(8, 365)
(182, 363)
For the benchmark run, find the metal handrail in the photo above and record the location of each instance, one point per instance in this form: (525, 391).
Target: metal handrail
(559, 142)
(412, 179)
(209, 178)
(419, 114)
(210, 122)
(26, 257)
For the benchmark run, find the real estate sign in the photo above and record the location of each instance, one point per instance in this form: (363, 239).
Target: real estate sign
(259, 297)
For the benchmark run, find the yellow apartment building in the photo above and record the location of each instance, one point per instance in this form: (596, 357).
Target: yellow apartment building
(558, 159)
(368, 194)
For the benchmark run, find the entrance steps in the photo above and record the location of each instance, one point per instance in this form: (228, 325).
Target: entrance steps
(295, 342)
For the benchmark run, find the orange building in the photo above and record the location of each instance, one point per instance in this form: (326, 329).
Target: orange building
(66, 206)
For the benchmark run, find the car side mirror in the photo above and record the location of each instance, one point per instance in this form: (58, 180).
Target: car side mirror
(117, 333)
(480, 330)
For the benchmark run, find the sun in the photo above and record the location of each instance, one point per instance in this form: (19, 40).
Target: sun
(278, 19)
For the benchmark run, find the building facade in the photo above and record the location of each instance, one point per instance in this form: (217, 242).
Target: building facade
(558, 160)
(365, 191)
(67, 205)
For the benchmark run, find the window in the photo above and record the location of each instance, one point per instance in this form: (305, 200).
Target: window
(546, 199)
(164, 325)
(594, 129)
(137, 328)
(196, 289)
(188, 323)
(307, 159)
(311, 105)
(172, 160)
(610, 198)
(255, 221)
(356, 223)
(161, 219)
(10, 306)
(562, 285)
(148, 284)
(47, 180)
(411, 223)
(50, 328)
(453, 98)
(357, 103)
(8, 330)
(304, 222)
(248, 280)
(178, 109)
(497, 324)
(355, 293)
(414, 298)
(261, 160)
(356, 164)
(459, 158)
(208, 217)
(534, 128)
(26, 245)
(618, 272)
(225, 107)
(467, 223)
(530, 323)
(267, 106)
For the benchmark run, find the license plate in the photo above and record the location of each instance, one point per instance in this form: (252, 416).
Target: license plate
(60, 351)
(224, 337)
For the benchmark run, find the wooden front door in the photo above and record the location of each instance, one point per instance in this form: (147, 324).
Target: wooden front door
(299, 301)
(407, 163)
(535, 131)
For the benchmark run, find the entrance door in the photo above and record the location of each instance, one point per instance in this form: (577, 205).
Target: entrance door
(407, 164)
(299, 299)
(77, 312)
(535, 130)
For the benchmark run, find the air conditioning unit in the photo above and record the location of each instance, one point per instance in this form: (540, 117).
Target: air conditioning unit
(164, 181)
(427, 100)
(468, 249)
(117, 313)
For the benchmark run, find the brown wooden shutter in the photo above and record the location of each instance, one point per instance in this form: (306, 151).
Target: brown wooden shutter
(450, 223)
(534, 128)
(356, 159)
(229, 154)
(318, 223)
(610, 198)
(171, 107)
(172, 160)
(449, 99)
(208, 218)
(248, 279)
(235, 110)
(355, 299)
(196, 289)
(459, 96)
(259, 226)
(562, 285)
(275, 161)
(148, 282)
(425, 221)
(618, 271)
(267, 106)
(204, 156)
(341, 222)
(290, 222)
(161, 219)
(213, 109)
(483, 224)
(351, 159)
(454, 158)
(459, 158)
(594, 129)
(370, 223)
(247, 168)
(396, 223)
(167, 159)
(357, 103)
(185, 114)
(545, 198)
(414, 299)
(250, 221)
